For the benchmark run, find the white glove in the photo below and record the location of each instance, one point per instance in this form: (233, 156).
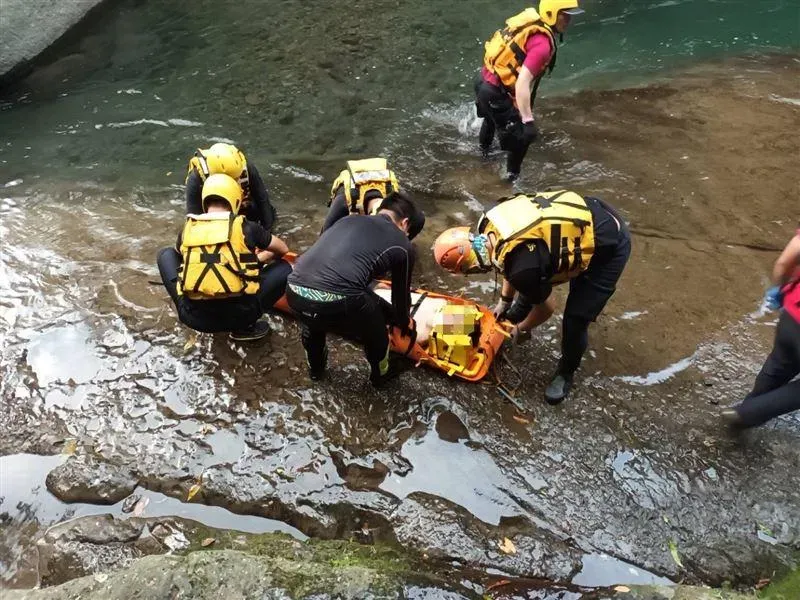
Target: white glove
(500, 308)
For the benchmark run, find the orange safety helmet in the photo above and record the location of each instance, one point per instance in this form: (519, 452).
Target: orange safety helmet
(453, 251)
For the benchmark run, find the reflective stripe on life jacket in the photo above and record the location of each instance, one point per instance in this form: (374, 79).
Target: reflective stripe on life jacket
(561, 219)
(505, 51)
(362, 176)
(216, 260)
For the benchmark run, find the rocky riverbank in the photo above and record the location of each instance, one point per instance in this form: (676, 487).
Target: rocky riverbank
(102, 558)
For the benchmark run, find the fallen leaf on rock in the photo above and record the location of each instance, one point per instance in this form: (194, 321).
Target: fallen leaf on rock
(169, 173)
(673, 549)
(522, 420)
(193, 491)
(281, 472)
(190, 344)
(207, 542)
(69, 447)
(507, 546)
(762, 583)
(622, 589)
(101, 577)
(763, 528)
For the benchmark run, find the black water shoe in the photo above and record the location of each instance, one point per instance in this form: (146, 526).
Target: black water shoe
(256, 331)
(379, 381)
(732, 418)
(558, 389)
(318, 372)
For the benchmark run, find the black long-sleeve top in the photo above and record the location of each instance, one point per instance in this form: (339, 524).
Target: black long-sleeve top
(352, 253)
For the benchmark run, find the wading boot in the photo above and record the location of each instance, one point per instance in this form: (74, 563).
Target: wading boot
(558, 389)
(256, 331)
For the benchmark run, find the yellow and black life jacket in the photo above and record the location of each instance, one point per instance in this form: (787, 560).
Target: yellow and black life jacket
(505, 50)
(561, 219)
(216, 260)
(362, 176)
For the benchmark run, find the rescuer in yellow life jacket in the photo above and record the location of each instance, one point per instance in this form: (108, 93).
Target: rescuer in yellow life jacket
(515, 60)
(229, 160)
(537, 241)
(224, 271)
(359, 190)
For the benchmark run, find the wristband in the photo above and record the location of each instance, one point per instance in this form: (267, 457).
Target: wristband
(506, 298)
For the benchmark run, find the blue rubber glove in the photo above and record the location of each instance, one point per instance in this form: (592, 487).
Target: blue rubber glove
(773, 299)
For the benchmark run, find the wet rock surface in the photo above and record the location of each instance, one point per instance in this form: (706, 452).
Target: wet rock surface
(87, 480)
(635, 465)
(90, 545)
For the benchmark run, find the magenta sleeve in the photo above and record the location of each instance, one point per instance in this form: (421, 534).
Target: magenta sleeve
(537, 53)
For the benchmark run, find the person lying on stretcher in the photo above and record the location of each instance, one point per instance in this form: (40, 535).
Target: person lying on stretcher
(448, 331)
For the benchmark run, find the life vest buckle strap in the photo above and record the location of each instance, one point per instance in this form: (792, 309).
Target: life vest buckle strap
(210, 258)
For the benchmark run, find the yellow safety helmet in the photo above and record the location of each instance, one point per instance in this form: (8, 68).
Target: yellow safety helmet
(221, 158)
(549, 9)
(223, 187)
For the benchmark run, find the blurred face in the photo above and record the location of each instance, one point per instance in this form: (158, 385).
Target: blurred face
(562, 21)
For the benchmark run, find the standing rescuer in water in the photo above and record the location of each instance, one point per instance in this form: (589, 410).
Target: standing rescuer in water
(515, 60)
(774, 392)
(225, 271)
(538, 241)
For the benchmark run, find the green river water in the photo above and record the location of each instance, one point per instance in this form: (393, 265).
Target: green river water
(294, 83)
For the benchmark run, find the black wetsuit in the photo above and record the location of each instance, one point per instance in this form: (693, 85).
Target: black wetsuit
(501, 117)
(530, 270)
(226, 314)
(330, 287)
(258, 208)
(339, 210)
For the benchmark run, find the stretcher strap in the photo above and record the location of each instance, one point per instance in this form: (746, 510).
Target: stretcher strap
(418, 303)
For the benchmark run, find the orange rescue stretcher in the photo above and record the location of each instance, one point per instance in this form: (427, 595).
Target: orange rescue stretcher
(464, 337)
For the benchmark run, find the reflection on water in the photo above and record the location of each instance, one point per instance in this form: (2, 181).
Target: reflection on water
(602, 570)
(64, 353)
(453, 470)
